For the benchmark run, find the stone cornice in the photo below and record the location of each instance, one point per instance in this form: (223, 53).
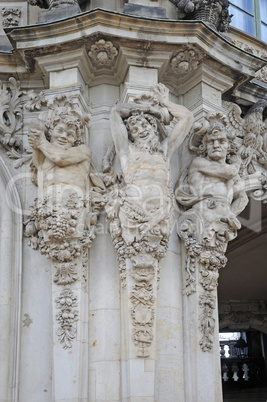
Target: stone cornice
(76, 30)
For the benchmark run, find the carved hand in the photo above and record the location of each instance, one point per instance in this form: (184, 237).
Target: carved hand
(36, 138)
(162, 94)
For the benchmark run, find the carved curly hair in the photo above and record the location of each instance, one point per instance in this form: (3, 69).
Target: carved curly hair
(67, 117)
(218, 127)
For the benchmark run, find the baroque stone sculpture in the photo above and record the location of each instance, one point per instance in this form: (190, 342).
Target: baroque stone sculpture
(213, 12)
(11, 16)
(62, 222)
(251, 132)
(212, 190)
(54, 3)
(10, 114)
(140, 210)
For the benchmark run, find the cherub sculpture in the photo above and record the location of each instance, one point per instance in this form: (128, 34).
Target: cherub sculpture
(70, 195)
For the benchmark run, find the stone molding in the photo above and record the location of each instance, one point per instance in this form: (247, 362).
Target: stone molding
(119, 25)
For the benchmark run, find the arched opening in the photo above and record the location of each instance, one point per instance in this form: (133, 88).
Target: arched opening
(242, 296)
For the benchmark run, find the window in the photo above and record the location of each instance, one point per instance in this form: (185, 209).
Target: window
(250, 16)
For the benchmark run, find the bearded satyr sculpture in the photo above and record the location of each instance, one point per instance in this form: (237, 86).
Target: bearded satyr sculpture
(140, 211)
(212, 190)
(62, 221)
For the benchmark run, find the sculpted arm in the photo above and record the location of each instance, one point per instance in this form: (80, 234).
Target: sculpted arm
(215, 169)
(118, 129)
(184, 116)
(58, 156)
(240, 199)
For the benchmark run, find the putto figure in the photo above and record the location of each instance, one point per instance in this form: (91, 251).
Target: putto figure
(62, 222)
(58, 154)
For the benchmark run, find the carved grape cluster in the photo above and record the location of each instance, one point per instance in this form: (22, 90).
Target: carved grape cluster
(61, 227)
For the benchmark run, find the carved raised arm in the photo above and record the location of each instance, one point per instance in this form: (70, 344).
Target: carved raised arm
(184, 116)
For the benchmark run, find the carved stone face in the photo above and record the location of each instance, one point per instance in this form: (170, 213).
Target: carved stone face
(141, 130)
(63, 135)
(217, 145)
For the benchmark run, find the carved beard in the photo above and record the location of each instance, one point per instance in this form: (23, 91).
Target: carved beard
(151, 146)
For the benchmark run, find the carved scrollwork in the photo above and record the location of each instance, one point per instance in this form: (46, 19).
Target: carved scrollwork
(35, 100)
(11, 120)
